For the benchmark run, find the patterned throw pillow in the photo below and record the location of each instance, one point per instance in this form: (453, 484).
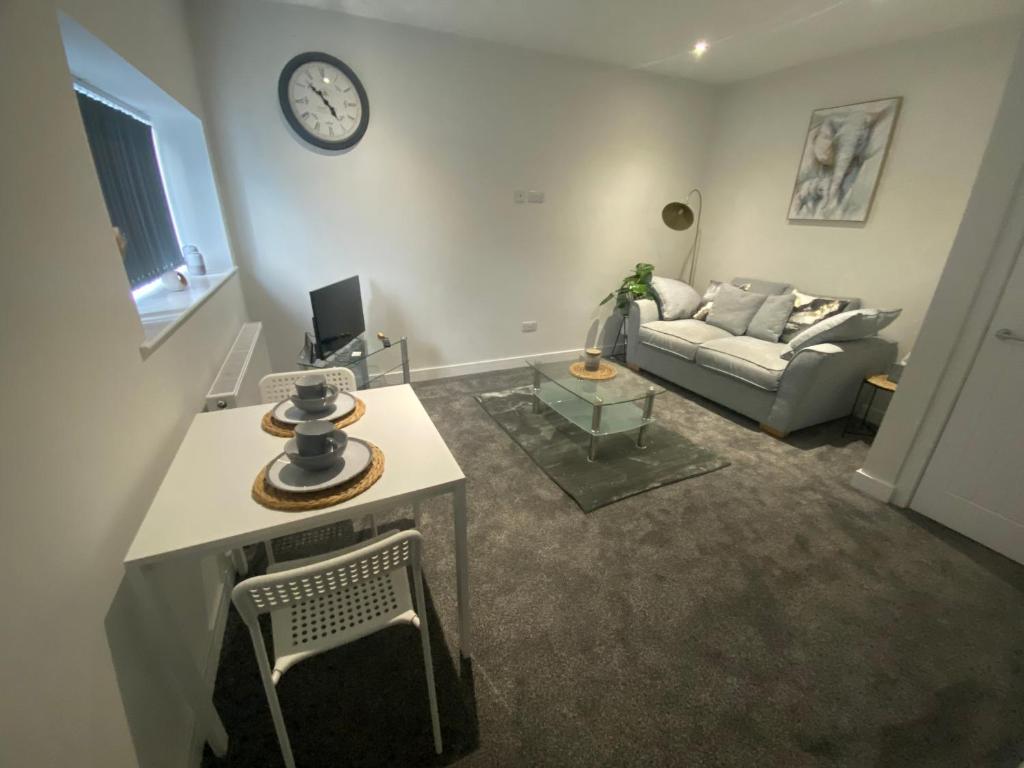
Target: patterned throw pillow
(709, 298)
(808, 310)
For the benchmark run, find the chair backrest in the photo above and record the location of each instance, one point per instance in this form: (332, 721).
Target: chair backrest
(272, 591)
(275, 387)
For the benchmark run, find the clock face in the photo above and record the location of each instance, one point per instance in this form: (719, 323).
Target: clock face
(323, 101)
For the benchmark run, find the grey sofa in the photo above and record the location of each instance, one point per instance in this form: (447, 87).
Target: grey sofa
(748, 375)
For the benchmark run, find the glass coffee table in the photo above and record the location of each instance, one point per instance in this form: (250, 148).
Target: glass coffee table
(599, 408)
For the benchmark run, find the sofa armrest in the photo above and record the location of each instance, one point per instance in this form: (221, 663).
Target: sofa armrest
(821, 381)
(640, 311)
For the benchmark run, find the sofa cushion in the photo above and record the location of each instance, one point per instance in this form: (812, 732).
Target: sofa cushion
(761, 286)
(753, 361)
(770, 320)
(681, 337)
(846, 326)
(734, 308)
(676, 299)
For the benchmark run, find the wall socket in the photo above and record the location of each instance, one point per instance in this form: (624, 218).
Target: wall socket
(522, 196)
(529, 326)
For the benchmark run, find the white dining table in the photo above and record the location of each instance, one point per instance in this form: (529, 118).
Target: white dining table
(204, 506)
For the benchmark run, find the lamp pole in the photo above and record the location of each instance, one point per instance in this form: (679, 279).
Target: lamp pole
(695, 246)
(679, 217)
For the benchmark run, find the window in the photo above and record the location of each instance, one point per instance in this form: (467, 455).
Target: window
(123, 150)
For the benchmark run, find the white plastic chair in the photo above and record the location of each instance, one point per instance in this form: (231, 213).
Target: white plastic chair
(316, 605)
(275, 387)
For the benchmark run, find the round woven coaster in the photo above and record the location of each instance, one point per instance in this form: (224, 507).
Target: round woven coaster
(603, 372)
(269, 496)
(279, 429)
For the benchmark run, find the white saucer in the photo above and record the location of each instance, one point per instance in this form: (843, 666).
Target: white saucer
(288, 413)
(285, 476)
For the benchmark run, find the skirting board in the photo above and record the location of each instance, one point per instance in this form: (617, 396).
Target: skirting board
(872, 486)
(485, 366)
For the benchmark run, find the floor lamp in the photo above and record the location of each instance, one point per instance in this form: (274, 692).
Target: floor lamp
(679, 216)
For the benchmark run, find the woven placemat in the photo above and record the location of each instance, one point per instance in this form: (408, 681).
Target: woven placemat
(269, 496)
(279, 429)
(603, 372)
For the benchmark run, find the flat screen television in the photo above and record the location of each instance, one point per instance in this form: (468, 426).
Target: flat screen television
(337, 315)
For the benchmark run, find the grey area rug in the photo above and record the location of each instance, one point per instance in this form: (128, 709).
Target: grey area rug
(621, 468)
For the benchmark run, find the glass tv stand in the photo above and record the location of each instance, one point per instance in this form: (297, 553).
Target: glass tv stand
(375, 360)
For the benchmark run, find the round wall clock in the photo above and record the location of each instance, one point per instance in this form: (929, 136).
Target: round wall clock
(323, 101)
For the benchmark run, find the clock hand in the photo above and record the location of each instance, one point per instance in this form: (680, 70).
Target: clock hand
(323, 98)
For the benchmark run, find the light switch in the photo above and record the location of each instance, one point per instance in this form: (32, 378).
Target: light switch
(519, 196)
(533, 196)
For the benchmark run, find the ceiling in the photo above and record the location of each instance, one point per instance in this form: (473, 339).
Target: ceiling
(747, 37)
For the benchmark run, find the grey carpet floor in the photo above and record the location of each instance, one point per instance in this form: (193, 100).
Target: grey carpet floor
(763, 615)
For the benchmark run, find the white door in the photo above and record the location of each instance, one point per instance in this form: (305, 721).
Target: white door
(974, 483)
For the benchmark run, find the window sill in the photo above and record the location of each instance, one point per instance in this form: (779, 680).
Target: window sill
(163, 312)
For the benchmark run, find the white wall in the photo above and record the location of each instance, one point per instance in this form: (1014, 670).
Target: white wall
(77, 686)
(980, 262)
(950, 84)
(422, 208)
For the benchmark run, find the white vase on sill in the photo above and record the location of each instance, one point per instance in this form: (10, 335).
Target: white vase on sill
(194, 260)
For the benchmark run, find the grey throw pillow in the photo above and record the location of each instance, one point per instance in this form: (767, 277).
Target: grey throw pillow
(770, 319)
(809, 310)
(734, 308)
(676, 299)
(709, 298)
(847, 326)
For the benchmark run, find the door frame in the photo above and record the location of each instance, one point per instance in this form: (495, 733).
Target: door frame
(973, 333)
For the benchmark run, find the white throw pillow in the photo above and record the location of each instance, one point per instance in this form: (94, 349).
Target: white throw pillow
(846, 326)
(676, 300)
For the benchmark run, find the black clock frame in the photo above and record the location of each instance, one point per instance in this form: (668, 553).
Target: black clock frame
(296, 124)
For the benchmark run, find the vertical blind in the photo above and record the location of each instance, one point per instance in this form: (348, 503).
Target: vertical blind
(129, 173)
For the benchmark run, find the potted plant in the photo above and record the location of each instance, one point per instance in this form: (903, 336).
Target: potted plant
(636, 285)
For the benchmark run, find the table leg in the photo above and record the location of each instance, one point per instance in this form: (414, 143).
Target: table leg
(536, 391)
(648, 410)
(162, 626)
(406, 376)
(864, 423)
(853, 411)
(239, 561)
(595, 426)
(462, 569)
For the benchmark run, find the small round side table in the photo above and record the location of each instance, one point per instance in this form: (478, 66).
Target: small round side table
(880, 381)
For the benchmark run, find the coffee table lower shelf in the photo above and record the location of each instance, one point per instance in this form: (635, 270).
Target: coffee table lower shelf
(597, 420)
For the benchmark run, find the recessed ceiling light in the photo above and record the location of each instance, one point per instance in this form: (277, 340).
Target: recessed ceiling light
(700, 48)
(327, 79)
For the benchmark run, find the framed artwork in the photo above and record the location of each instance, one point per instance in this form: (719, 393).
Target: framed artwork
(844, 153)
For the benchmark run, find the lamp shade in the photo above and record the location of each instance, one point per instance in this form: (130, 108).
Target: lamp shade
(677, 216)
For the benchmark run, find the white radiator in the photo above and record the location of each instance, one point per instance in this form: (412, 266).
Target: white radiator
(246, 363)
